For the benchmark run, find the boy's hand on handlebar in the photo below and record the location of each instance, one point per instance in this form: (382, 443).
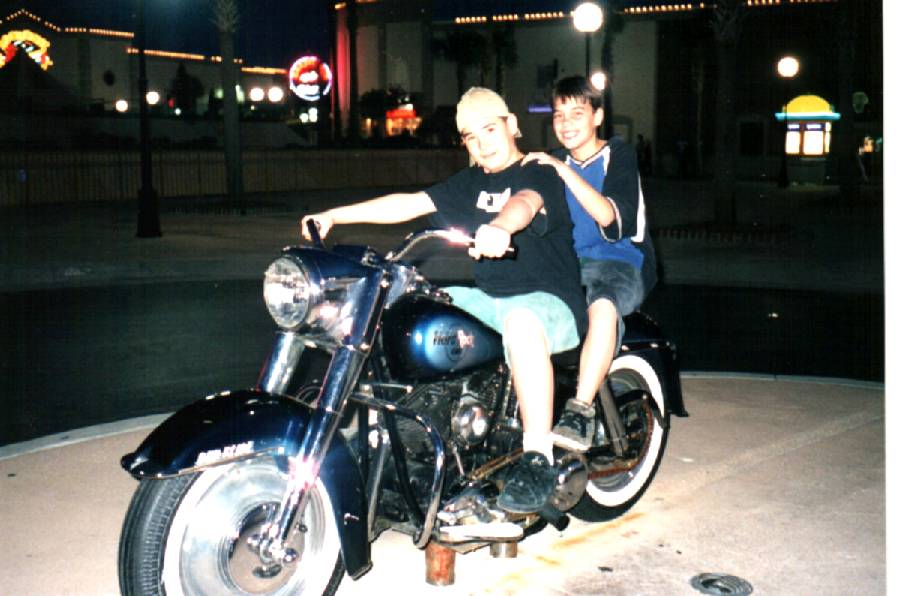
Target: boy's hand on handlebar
(490, 241)
(323, 222)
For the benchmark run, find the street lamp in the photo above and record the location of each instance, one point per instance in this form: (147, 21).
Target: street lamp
(599, 80)
(587, 19)
(788, 67)
(148, 214)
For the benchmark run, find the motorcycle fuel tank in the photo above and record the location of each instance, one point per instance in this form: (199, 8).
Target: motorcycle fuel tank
(425, 339)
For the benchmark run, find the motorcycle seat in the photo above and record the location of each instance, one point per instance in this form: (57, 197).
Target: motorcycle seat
(569, 359)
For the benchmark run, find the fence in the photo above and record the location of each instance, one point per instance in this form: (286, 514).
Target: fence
(68, 176)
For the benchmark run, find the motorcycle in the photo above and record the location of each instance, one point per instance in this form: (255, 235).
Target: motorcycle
(381, 406)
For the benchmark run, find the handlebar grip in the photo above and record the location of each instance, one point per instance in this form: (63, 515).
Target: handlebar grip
(314, 230)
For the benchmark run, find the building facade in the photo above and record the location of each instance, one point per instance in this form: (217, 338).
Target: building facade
(662, 74)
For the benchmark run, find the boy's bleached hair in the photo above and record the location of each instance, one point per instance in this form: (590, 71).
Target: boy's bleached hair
(577, 88)
(479, 101)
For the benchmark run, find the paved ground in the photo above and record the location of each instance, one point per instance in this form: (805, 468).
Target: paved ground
(776, 481)
(806, 238)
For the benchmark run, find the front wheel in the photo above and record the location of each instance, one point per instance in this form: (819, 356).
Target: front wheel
(188, 535)
(611, 490)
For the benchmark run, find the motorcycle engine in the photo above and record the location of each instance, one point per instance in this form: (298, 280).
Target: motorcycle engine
(462, 410)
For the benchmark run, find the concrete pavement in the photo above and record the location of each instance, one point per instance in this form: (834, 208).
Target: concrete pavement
(799, 238)
(777, 481)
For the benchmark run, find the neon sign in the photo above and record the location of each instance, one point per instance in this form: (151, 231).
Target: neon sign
(310, 78)
(27, 41)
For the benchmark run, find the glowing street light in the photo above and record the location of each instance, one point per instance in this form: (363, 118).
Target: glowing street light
(587, 19)
(788, 67)
(275, 94)
(598, 80)
(152, 97)
(122, 106)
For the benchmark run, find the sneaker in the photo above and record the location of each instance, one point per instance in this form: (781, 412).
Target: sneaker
(529, 484)
(574, 430)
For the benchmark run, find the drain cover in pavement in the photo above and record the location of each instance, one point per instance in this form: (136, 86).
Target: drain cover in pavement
(719, 583)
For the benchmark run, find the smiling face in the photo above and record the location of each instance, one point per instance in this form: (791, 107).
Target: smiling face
(575, 123)
(490, 140)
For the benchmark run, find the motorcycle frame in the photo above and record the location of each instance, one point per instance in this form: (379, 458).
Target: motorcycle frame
(208, 432)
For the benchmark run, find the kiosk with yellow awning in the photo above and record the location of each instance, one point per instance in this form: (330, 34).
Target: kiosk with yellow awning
(807, 137)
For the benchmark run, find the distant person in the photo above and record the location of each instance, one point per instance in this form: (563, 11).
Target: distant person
(532, 298)
(617, 262)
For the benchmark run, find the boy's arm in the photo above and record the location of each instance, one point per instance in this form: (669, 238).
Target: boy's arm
(598, 207)
(622, 187)
(387, 209)
(494, 238)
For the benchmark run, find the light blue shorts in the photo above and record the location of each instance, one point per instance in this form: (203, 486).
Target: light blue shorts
(556, 318)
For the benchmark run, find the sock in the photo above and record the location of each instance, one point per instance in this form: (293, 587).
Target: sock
(541, 442)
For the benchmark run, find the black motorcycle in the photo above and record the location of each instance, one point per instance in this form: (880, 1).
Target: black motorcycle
(382, 406)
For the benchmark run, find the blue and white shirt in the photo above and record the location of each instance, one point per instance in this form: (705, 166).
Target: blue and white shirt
(613, 170)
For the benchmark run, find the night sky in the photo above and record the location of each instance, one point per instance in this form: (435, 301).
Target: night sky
(271, 32)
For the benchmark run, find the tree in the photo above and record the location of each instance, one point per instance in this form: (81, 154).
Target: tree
(354, 115)
(612, 24)
(465, 48)
(504, 50)
(185, 90)
(727, 23)
(225, 14)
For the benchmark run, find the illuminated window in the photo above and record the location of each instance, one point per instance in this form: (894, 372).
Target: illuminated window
(814, 142)
(792, 143)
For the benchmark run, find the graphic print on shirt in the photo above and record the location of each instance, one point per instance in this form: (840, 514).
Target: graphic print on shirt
(492, 202)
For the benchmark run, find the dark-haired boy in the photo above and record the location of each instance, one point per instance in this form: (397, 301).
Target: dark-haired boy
(611, 238)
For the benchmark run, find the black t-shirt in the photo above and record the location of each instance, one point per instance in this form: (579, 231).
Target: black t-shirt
(544, 259)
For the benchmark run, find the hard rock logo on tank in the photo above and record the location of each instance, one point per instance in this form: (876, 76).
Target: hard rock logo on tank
(310, 78)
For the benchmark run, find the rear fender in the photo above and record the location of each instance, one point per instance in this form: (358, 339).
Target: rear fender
(238, 425)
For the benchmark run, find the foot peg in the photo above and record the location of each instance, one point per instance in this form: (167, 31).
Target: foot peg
(482, 531)
(558, 519)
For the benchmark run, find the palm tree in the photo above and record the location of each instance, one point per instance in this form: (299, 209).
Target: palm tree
(613, 23)
(463, 47)
(225, 16)
(354, 115)
(726, 23)
(504, 49)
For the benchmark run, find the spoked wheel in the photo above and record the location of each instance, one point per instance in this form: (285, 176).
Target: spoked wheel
(615, 486)
(189, 535)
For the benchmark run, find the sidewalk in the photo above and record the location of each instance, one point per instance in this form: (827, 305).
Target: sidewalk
(780, 482)
(799, 238)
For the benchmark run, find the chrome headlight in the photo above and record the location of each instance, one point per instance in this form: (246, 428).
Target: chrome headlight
(287, 291)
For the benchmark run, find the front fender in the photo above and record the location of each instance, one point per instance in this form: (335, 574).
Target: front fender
(242, 424)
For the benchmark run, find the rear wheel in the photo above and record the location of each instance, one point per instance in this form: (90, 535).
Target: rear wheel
(614, 487)
(188, 535)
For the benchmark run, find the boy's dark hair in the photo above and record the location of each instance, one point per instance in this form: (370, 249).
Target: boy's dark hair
(577, 88)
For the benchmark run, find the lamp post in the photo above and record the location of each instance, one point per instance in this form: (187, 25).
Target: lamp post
(587, 19)
(788, 67)
(148, 214)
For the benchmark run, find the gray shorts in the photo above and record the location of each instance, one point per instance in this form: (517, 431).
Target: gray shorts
(616, 281)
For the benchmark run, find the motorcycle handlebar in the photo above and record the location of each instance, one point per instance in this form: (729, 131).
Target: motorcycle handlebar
(314, 230)
(451, 236)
